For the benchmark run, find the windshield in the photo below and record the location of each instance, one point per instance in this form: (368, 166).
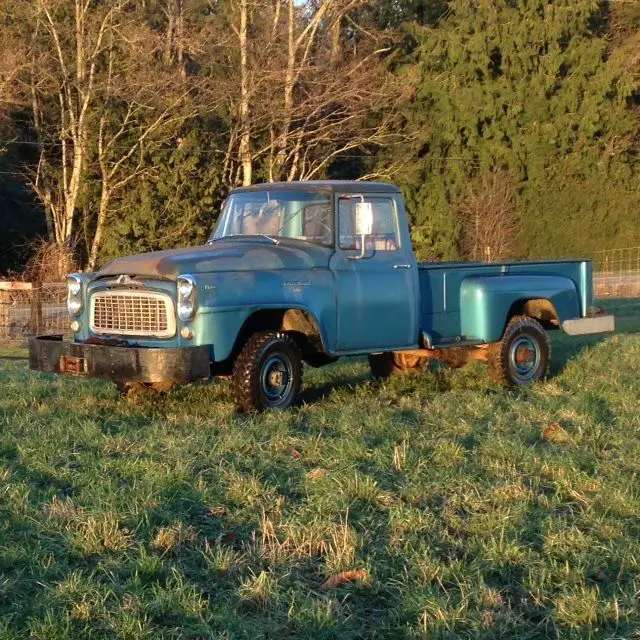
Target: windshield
(304, 215)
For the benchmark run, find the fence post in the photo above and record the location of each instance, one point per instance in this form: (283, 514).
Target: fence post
(5, 303)
(36, 308)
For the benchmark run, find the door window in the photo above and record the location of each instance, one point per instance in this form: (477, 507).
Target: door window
(384, 236)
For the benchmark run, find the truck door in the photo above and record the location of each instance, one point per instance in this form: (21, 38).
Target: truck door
(376, 283)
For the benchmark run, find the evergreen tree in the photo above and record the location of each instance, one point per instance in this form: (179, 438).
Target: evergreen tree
(178, 200)
(532, 87)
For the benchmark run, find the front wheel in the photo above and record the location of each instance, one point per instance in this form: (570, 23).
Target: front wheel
(267, 373)
(523, 355)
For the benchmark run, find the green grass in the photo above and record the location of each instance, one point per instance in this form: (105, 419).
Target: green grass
(173, 517)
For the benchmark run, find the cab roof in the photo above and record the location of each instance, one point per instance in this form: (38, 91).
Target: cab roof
(333, 186)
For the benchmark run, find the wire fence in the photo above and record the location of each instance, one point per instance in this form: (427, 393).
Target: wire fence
(616, 273)
(28, 309)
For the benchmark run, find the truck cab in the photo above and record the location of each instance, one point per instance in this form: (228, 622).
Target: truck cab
(360, 289)
(311, 271)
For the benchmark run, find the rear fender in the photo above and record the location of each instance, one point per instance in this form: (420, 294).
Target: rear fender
(487, 303)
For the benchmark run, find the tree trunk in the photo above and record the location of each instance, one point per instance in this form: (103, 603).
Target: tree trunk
(73, 189)
(105, 198)
(180, 38)
(80, 42)
(171, 30)
(336, 45)
(245, 138)
(289, 81)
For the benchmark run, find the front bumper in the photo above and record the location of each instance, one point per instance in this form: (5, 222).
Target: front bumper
(119, 363)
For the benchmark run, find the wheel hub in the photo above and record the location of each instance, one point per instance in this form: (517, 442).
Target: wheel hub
(276, 379)
(524, 358)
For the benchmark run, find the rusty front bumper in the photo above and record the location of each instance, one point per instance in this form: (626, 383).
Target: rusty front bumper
(119, 363)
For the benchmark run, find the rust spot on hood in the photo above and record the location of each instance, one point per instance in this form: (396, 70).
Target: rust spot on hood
(224, 256)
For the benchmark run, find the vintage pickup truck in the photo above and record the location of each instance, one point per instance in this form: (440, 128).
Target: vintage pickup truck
(308, 272)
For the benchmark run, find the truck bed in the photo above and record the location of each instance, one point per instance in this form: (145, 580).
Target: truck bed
(441, 286)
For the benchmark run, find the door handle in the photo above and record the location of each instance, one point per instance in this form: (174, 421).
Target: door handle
(402, 266)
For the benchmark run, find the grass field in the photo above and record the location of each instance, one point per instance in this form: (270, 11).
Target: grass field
(460, 509)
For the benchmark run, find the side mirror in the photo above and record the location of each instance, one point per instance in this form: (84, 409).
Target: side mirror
(363, 226)
(364, 219)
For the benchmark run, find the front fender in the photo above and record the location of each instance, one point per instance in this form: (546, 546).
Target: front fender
(228, 299)
(223, 326)
(485, 302)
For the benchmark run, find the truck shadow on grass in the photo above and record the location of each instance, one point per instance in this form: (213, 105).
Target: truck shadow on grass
(316, 393)
(565, 348)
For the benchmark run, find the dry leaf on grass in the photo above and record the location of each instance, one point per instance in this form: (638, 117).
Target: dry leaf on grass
(316, 474)
(555, 433)
(227, 538)
(338, 579)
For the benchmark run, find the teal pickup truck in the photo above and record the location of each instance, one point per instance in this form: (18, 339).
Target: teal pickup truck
(308, 272)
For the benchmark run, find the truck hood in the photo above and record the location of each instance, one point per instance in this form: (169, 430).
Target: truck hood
(222, 255)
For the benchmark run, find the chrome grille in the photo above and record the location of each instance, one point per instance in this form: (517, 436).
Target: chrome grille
(132, 313)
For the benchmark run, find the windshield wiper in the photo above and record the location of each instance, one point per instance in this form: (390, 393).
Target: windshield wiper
(244, 235)
(230, 235)
(264, 235)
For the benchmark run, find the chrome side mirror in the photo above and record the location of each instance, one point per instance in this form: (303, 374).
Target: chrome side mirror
(363, 225)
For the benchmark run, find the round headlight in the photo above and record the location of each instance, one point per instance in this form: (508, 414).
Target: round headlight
(74, 295)
(74, 305)
(74, 286)
(185, 309)
(185, 288)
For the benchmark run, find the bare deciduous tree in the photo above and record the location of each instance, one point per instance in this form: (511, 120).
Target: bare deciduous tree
(488, 219)
(141, 109)
(101, 93)
(302, 98)
(330, 98)
(11, 65)
(65, 55)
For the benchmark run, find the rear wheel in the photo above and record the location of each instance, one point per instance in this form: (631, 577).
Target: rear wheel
(523, 355)
(267, 373)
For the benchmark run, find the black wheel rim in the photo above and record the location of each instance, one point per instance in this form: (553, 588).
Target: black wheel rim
(276, 379)
(524, 358)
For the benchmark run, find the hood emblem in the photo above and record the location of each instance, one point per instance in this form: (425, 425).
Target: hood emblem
(124, 279)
